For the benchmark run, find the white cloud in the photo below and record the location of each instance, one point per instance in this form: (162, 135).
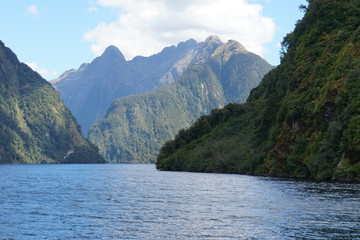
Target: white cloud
(144, 27)
(45, 73)
(92, 10)
(33, 11)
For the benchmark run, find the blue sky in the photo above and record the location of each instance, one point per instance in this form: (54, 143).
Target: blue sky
(54, 36)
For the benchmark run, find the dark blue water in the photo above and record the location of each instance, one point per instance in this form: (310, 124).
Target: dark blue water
(138, 202)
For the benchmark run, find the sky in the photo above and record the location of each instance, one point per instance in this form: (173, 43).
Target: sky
(53, 36)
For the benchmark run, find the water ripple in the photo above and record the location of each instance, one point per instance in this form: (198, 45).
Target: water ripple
(138, 202)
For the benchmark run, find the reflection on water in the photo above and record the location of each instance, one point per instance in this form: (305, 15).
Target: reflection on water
(138, 202)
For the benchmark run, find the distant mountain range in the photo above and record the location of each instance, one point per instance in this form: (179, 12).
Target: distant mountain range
(89, 91)
(35, 125)
(210, 75)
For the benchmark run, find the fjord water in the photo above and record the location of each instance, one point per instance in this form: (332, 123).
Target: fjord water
(139, 202)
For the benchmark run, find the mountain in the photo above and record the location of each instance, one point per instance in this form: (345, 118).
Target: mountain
(89, 91)
(135, 127)
(303, 120)
(35, 125)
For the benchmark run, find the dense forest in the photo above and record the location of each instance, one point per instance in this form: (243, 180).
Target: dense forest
(303, 120)
(35, 125)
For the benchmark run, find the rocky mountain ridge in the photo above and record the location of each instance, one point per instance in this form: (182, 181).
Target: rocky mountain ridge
(89, 91)
(136, 126)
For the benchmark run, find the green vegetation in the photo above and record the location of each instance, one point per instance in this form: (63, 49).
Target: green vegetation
(35, 126)
(301, 121)
(135, 127)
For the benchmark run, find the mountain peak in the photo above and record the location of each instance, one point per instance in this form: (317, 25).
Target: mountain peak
(229, 49)
(206, 49)
(111, 57)
(213, 38)
(113, 53)
(236, 46)
(188, 44)
(6, 53)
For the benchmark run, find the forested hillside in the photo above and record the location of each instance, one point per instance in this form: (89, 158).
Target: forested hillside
(304, 118)
(35, 125)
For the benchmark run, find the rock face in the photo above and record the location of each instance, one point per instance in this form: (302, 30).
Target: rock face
(135, 127)
(35, 125)
(89, 91)
(303, 120)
